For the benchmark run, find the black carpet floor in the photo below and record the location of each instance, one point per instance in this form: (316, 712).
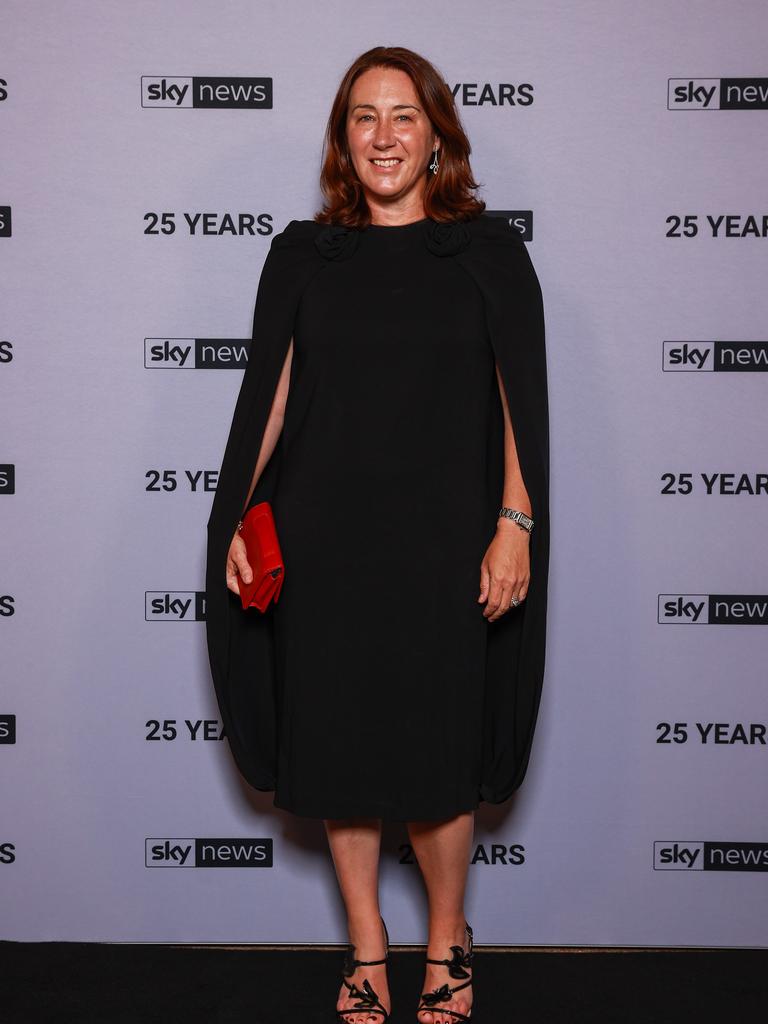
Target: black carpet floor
(134, 983)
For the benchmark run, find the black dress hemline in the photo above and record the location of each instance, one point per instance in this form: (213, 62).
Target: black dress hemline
(385, 813)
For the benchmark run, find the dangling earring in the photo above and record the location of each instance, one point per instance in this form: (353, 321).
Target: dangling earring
(433, 166)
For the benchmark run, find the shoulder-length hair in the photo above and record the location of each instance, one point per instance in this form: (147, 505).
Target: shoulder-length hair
(447, 195)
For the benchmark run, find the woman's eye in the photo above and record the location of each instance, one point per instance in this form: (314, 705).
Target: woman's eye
(364, 116)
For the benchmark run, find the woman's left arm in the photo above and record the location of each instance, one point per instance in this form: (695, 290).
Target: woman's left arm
(505, 570)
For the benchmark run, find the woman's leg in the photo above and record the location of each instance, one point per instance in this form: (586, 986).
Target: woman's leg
(443, 850)
(355, 844)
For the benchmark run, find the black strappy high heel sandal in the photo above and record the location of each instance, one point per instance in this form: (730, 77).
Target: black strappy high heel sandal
(369, 1001)
(457, 968)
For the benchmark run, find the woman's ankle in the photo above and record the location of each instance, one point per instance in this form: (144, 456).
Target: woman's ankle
(367, 931)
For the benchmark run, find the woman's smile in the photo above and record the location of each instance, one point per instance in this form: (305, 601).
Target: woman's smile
(386, 164)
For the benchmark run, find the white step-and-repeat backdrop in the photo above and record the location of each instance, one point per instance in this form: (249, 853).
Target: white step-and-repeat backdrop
(150, 152)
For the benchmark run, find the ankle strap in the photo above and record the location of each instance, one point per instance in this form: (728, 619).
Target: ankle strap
(460, 960)
(350, 963)
(457, 964)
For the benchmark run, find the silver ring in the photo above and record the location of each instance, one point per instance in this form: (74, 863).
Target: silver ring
(515, 602)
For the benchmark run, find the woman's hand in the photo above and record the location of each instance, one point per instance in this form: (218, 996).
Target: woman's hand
(237, 562)
(505, 571)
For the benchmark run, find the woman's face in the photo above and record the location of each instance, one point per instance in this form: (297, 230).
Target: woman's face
(386, 121)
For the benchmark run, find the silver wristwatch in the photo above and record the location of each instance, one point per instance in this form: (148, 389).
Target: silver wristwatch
(523, 521)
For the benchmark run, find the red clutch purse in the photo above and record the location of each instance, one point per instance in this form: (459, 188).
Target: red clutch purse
(264, 557)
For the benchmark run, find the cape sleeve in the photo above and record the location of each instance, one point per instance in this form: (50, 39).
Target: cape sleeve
(240, 642)
(498, 261)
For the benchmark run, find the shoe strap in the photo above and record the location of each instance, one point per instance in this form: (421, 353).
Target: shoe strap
(460, 959)
(367, 996)
(457, 964)
(367, 1009)
(443, 993)
(350, 963)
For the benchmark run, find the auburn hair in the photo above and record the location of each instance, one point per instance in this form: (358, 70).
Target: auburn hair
(447, 195)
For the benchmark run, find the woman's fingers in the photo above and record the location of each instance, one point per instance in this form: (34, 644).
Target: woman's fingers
(243, 566)
(237, 564)
(495, 607)
(500, 594)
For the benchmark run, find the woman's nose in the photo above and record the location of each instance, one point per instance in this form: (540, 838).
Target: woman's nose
(384, 136)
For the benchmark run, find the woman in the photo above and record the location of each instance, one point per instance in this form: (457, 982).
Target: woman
(394, 413)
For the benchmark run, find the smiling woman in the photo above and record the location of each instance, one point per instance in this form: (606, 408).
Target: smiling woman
(403, 111)
(394, 414)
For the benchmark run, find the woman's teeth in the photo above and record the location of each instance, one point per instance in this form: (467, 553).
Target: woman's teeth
(387, 163)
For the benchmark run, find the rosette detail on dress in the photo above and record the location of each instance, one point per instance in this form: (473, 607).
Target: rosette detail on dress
(336, 242)
(446, 239)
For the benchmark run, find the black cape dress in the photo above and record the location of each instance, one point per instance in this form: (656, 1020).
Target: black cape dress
(375, 687)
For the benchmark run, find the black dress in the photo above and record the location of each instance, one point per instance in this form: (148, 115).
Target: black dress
(376, 687)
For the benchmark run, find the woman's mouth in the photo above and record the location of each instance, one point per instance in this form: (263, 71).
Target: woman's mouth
(386, 164)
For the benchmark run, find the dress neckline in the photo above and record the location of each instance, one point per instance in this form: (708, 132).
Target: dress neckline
(397, 227)
(337, 242)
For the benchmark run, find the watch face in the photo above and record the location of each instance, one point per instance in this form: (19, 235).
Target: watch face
(526, 522)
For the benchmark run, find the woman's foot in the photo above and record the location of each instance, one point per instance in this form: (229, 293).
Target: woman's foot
(369, 996)
(440, 977)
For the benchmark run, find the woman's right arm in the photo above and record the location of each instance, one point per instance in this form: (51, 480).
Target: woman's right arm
(237, 561)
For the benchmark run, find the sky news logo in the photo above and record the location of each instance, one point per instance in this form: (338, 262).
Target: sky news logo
(7, 728)
(196, 353)
(678, 855)
(7, 478)
(522, 220)
(208, 853)
(714, 609)
(718, 356)
(174, 605)
(211, 93)
(717, 94)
